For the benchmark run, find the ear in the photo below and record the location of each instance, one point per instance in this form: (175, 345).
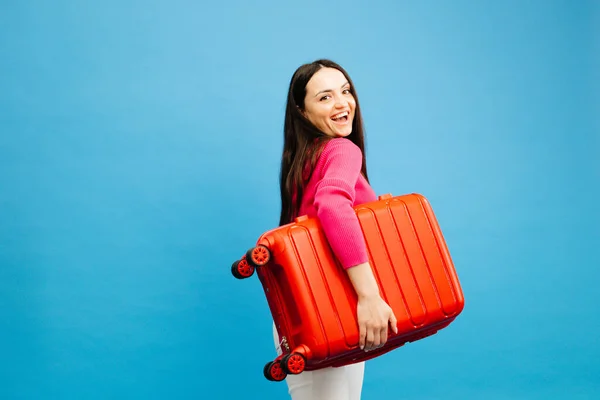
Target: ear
(301, 111)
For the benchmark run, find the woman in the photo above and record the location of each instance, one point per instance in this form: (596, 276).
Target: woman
(323, 174)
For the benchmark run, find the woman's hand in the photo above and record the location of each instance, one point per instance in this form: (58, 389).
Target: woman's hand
(374, 315)
(374, 318)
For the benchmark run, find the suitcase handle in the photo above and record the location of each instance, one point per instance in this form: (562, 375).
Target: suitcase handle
(385, 196)
(300, 218)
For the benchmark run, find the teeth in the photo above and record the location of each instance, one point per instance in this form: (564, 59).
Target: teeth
(340, 115)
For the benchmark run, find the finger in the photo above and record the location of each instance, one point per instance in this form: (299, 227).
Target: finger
(369, 339)
(383, 336)
(394, 323)
(376, 338)
(362, 334)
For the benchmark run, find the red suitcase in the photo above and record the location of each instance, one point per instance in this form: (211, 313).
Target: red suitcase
(312, 300)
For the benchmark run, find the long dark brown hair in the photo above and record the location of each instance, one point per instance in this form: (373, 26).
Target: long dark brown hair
(302, 141)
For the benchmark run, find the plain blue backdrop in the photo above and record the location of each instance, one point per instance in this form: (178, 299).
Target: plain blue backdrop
(139, 153)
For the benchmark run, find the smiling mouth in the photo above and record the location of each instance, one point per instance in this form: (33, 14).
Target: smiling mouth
(341, 117)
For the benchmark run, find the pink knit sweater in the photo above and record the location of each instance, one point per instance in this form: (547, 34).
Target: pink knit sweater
(337, 185)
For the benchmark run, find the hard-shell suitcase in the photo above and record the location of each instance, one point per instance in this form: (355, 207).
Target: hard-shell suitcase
(313, 302)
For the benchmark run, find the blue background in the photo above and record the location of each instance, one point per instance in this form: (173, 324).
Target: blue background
(139, 157)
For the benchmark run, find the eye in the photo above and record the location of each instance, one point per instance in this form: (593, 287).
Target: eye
(347, 91)
(324, 97)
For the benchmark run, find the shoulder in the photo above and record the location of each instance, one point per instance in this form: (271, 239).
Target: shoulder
(341, 146)
(340, 153)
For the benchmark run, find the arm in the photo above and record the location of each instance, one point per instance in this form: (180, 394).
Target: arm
(363, 280)
(334, 199)
(341, 162)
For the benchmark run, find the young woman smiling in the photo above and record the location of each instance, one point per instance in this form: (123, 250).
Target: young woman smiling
(324, 174)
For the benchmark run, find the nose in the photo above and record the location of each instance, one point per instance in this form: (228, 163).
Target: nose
(341, 102)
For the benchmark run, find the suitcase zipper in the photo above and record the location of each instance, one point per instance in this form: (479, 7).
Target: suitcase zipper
(285, 344)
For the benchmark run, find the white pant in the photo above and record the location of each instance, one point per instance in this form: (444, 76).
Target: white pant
(343, 383)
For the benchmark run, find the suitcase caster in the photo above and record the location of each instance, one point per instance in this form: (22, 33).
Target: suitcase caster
(273, 371)
(293, 363)
(258, 256)
(241, 269)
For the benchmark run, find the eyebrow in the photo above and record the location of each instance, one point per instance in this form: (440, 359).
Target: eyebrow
(329, 90)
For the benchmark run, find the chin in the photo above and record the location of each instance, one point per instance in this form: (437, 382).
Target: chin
(343, 134)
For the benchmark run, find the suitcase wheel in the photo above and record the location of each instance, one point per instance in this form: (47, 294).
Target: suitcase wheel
(273, 371)
(241, 269)
(293, 363)
(258, 256)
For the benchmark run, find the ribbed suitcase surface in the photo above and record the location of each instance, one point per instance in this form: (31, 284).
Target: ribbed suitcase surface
(312, 299)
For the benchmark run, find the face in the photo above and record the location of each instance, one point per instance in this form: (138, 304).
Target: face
(329, 103)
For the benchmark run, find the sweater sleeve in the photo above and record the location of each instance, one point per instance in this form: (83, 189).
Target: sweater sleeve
(341, 163)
